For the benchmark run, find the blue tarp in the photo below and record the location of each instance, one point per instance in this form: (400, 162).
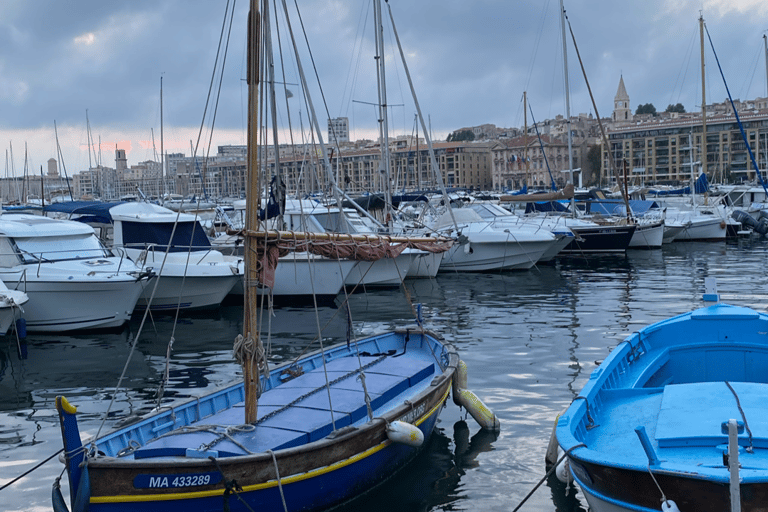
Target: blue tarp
(546, 206)
(90, 211)
(701, 186)
(617, 206)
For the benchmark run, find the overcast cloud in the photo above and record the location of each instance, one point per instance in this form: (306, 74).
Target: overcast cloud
(470, 61)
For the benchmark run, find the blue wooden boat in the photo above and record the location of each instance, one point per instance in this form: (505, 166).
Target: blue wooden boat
(675, 417)
(316, 444)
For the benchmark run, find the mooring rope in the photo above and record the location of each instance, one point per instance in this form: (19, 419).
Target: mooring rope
(547, 475)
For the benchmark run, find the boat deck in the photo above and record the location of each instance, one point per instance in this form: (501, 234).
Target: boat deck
(299, 410)
(685, 425)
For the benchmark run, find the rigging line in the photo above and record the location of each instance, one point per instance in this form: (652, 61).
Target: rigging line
(745, 93)
(684, 70)
(215, 66)
(736, 114)
(38, 465)
(536, 46)
(138, 333)
(285, 86)
(218, 92)
(398, 81)
(355, 63)
(317, 77)
(541, 143)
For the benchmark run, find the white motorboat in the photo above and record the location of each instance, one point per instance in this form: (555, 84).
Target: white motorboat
(191, 273)
(481, 247)
(697, 225)
(72, 281)
(502, 218)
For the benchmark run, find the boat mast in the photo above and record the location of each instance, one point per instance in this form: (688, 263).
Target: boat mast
(567, 103)
(253, 198)
(383, 119)
(162, 164)
(525, 138)
(765, 42)
(703, 152)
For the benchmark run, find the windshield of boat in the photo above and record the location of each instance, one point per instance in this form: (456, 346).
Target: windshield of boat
(158, 234)
(60, 248)
(490, 211)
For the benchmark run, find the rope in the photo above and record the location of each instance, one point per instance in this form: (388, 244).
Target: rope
(361, 378)
(230, 487)
(591, 424)
(30, 470)
(663, 496)
(547, 475)
(279, 482)
(251, 350)
(749, 448)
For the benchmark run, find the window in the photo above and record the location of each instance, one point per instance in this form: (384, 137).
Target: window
(70, 247)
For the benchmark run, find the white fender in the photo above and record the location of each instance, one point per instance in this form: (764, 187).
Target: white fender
(467, 399)
(405, 433)
(669, 506)
(563, 471)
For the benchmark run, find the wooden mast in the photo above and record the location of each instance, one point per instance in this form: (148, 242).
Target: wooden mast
(253, 198)
(703, 151)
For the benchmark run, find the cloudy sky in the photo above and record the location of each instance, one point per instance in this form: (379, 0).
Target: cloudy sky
(470, 61)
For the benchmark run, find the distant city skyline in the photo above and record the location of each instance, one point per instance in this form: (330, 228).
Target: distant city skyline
(470, 61)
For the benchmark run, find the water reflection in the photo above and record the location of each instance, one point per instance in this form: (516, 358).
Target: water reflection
(530, 340)
(439, 468)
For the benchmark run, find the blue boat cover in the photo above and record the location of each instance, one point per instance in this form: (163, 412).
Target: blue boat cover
(90, 211)
(546, 206)
(617, 206)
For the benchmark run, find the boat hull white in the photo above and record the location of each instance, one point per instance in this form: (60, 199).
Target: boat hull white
(11, 304)
(648, 236)
(302, 275)
(424, 264)
(68, 305)
(384, 272)
(487, 255)
(200, 279)
(190, 292)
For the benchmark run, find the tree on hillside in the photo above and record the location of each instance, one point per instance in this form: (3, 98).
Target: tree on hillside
(676, 108)
(462, 135)
(592, 174)
(648, 108)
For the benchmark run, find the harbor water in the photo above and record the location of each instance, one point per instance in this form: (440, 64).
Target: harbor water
(530, 341)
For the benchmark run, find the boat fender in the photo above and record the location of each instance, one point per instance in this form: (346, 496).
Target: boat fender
(467, 399)
(21, 327)
(467, 248)
(669, 506)
(405, 433)
(553, 452)
(762, 226)
(563, 471)
(83, 496)
(59, 505)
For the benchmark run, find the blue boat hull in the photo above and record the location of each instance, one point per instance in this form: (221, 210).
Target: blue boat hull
(337, 487)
